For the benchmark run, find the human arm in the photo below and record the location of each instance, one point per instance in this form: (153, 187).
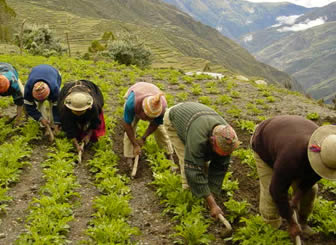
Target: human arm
(216, 173)
(215, 210)
(131, 135)
(77, 146)
(150, 129)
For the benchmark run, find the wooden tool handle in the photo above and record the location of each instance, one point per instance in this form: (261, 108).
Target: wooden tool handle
(225, 222)
(51, 135)
(81, 152)
(297, 238)
(135, 166)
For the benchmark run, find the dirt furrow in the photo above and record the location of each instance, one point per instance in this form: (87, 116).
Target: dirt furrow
(13, 222)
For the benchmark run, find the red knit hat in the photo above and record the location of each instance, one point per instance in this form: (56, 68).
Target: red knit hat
(4, 84)
(226, 140)
(41, 90)
(152, 105)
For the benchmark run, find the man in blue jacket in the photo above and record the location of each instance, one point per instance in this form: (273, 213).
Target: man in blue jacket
(10, 85)
(43, 84)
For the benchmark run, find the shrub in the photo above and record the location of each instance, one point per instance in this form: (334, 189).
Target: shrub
(40, 40)
(130, 52)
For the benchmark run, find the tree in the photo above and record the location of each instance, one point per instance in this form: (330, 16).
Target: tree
(6, 16)
(40, 40)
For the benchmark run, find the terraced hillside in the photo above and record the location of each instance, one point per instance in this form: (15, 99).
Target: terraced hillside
(48, 198)
(177, 40)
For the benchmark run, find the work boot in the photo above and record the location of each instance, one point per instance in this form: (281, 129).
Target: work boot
(129, 162)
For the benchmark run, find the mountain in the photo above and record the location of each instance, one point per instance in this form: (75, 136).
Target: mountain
(308, 55)
(176, 39)
(234, 18)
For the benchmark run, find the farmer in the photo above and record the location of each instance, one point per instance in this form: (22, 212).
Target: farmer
(43, 84)
(144, 101)
(292, 151)
(80, 105)
(10, 85)
(201, 136)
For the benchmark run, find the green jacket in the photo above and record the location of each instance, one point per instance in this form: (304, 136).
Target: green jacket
(194, 123)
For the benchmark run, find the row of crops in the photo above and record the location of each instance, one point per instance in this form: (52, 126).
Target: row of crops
(50, 214)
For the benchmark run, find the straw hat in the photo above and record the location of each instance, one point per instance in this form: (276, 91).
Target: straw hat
(41, 90)
(225, 138)
(322, 153)
(152, 105)
(4, 84)
(78, 101)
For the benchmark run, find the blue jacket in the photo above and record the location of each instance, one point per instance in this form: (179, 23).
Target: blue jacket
(9, 71)
(49, 75)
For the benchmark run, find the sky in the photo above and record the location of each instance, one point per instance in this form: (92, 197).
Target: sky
(305, 3)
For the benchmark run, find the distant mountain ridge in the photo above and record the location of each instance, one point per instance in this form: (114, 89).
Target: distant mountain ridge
(308, 55)
(234, 18)
(172, 34)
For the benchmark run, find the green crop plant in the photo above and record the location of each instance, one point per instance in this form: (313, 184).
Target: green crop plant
(236, 209)
(223, 99)
(182, 96)
(323, 217)
(256, 231)
(313, 116)
(246, 156)
(260, 101)
(247, 125)
(229, 186)
(188, 79)
(235, 94)
(196, 89)
(234, 111)
(205, 100)
(262, 118)
(252, 109)
(213, 90)
(266, 93)
(270, 99)
(182, 86)
(328, 185)
(173, 80)
(230, 85)
(170, 99)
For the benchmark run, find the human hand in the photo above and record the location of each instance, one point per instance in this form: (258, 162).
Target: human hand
(86, 139)
(215, 211)
(294, 230)
(141, 142)
(56, 129)
(44, 122)
(137, 149)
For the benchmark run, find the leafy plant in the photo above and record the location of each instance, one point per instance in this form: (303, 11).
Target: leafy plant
(236, 209)
(313, 116)
(256, 231)
(205, 100)
(246, 125)
(324, 216)
(229, 186)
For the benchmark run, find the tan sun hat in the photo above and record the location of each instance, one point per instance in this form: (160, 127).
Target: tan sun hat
(4, 84)
(322, 151)
(152, 105)
(78, 101)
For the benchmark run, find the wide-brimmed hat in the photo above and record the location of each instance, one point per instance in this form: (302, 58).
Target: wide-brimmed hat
(78, 101)
(41, 90)
(4, 84)
(225, 138)
(322, 151)
(152, 105)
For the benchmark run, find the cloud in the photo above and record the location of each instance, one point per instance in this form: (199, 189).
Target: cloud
(305, 3)
(248, 38)
(287, 20)
(304, 25)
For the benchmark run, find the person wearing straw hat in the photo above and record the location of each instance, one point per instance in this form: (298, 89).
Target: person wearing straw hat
(203, 142)
(10, 85)
(144, 101)
(43, 85)
(80, 106)
(292, 151)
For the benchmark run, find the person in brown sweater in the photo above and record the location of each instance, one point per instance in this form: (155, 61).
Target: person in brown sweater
(292, 151)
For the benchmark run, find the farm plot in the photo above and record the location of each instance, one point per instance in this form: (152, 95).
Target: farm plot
(84, 204)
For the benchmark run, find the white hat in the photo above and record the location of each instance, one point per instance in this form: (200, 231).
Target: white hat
(322, 151)
(78, 101)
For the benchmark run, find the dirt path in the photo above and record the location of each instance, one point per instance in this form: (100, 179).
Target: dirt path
(12, 224)
(146, 210)
(84, 209)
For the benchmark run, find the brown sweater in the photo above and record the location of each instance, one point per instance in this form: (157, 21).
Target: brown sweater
(282, 143)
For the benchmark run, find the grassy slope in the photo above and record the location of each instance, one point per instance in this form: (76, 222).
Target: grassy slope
(176, 39)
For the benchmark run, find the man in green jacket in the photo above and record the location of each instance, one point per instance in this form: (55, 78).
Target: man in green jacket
(199, 136)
